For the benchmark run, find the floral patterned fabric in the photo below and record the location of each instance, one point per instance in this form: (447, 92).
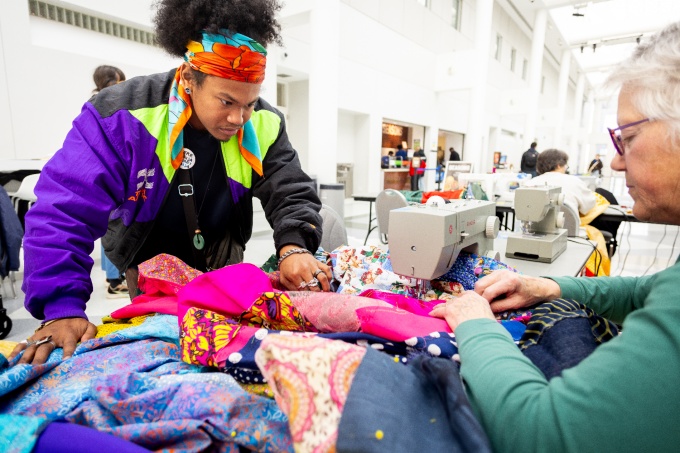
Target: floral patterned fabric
(296, 368)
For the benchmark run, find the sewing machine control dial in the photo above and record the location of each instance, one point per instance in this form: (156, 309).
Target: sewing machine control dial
(493, 224)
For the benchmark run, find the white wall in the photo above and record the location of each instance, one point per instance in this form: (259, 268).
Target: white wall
(49, 67)
(406, 64)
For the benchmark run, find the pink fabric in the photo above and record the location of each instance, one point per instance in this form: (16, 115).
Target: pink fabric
(160, 278)
(228, 291)
(410, 304)
(398, 325)
(331, 312)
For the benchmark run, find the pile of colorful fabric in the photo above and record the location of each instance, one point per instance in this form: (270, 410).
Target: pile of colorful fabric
(179, 368)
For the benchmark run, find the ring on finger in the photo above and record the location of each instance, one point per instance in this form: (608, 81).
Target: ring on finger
(313, 282)
(54, 345)
(302, 285)
(47, 339)
(318, 271)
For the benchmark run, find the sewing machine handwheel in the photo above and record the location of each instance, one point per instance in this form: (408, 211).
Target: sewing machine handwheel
(493, 225)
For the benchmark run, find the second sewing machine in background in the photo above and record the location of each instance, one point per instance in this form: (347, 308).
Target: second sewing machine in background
(542, 236)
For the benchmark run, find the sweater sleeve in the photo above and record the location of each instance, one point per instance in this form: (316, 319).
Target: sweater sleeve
(611, 297)
(623, 397)
(76, 192)
(288, 196)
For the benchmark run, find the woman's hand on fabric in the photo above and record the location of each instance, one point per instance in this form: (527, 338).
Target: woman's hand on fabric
(507, 290)
(465, 307)
(63, 333)
(303, 272)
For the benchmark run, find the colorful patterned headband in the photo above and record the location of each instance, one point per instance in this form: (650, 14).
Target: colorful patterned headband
(228, 55)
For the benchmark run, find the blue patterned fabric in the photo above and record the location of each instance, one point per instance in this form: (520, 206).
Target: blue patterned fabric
(18, 434)
(468, 268)
(134, 385)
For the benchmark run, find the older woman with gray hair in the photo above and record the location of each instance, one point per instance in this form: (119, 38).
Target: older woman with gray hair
(625, 395)
(552, 171)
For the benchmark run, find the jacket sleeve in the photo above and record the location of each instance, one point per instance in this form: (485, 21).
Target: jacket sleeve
(76, 191)
(288, 196)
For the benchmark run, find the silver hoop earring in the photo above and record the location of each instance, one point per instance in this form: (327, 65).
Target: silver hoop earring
(187, 90)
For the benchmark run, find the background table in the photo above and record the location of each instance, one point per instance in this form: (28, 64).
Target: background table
(370, 197)
(569, 263)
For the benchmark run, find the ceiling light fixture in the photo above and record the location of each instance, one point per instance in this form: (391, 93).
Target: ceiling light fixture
(577, 10)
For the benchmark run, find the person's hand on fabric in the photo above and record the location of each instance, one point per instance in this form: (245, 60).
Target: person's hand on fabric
(506, 290)
(303, 272)
(465, 307)
(61, 333)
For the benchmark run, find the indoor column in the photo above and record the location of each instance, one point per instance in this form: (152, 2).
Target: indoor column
(323, 89)
(475, 149)
(535, 75)
(562, 88)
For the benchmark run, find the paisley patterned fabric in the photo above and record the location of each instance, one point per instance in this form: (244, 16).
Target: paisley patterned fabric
(296, 367)
(132, 384)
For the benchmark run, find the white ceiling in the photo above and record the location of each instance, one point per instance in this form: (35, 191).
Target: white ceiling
(612, 26)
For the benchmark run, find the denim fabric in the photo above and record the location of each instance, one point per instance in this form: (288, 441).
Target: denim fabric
(109, 268)
(418, 407)
(562, 346)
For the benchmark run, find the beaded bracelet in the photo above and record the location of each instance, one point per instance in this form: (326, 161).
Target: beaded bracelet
(291, 252)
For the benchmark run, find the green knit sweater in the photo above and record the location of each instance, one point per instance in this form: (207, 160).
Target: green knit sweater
(624, 397)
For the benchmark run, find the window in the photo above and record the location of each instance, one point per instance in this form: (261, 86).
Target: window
(513, 59)
(455, 14)
(63, 15)
(499, 47)
(525, 68)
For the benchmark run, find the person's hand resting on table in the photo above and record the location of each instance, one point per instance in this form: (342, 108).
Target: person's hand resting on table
(497, 292)
(300, 271)
(61, 333)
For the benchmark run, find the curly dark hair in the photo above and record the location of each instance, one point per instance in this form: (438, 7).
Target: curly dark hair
(178, 21)
(550, 159)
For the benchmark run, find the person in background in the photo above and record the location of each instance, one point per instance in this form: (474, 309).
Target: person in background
(116, 287)
(551, 166)
(170, 163)
(624, 396)
(453, 154)
(401, 152)
(529, 159)
(595, 167)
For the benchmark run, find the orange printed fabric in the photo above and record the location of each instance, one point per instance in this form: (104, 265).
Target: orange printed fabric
(228, 55)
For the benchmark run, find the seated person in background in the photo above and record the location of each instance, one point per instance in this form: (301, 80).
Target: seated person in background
(552, 167)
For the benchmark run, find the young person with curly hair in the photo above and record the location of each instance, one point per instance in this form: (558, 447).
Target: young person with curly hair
(170, 163)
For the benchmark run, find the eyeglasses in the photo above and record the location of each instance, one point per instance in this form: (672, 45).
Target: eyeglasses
(615, 134)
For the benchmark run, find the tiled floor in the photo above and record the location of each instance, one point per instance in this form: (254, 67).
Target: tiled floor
(643, 249)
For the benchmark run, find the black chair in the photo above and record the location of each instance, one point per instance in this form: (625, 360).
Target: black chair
(609, 228)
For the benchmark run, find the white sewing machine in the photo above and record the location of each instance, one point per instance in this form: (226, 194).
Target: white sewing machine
(542, 237)
(425, 240)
